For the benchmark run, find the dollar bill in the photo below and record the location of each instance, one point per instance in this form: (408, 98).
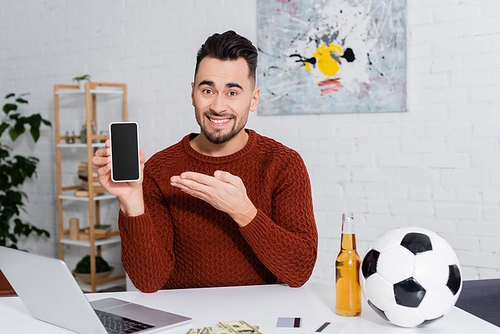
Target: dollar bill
(240, 326)
(211, 330)
(217, 330)
(194, 331)
(227, 327)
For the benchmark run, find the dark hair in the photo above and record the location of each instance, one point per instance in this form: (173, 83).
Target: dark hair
(229, 46)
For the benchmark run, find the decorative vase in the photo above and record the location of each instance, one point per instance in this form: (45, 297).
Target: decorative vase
(83, 132)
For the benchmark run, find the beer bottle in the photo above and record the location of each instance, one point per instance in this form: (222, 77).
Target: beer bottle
(347, 265)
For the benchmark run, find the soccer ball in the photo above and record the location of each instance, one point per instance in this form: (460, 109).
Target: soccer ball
(411, 276)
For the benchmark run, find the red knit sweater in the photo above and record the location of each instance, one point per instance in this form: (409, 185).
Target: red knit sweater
(183, 242)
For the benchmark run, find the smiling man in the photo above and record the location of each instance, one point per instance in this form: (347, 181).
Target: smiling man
(224, 207)
(223, 99)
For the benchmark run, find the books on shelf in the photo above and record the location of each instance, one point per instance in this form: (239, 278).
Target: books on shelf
(85, 193)
(99, 229)
(95, 184)
(83, 175)
(84, 236)
(83, 170)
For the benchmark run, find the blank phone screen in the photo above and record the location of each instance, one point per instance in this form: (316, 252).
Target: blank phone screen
(124, 151)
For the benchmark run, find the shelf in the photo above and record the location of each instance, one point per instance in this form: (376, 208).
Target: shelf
(80, 145)
(89, 97)
(107, 91)
(69, 195)
(86, 243)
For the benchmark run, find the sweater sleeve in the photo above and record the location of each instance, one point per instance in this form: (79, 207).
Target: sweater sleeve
(147, 241)
(286, 241)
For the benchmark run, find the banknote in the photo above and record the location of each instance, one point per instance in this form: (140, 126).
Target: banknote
(211, 330)
(227, 327)
(194, 331)
(217, 330)
(240, 326)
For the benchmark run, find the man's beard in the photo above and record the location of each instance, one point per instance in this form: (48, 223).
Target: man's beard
(217, 137)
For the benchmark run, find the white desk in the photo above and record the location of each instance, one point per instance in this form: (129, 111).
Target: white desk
(257, 305)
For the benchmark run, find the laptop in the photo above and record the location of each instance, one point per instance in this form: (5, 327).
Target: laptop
(51, 294)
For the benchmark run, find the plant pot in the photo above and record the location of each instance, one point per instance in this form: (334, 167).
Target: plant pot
(86, 277)
(81, 84)
(5, 287)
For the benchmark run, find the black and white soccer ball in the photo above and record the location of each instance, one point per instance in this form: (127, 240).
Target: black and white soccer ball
(411, 276)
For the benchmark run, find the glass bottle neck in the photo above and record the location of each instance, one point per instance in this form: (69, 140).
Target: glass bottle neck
(347, 223)
(348, 240)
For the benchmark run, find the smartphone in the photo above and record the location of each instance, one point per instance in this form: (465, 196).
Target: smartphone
(125, 160)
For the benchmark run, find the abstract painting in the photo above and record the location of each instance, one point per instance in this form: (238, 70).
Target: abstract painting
(331, 56)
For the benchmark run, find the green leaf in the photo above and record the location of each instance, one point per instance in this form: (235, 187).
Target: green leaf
(10, 95)
(20, 228)
(27, 160)
(15, 196)
(13, 133)
(20, 122)
(17, 175)
(4, 153)
(26, 166)
(18, 128)
(39, 231)
(46, 122)
(35, 133)
(83, 77)
(35, 120)
(13, 238)
(8, 213)
(20, 100)
(4, 182)
(4, 126)
(24, 195)
(8, 107)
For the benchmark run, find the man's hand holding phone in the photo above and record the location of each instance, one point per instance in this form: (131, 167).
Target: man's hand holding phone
(129, 193)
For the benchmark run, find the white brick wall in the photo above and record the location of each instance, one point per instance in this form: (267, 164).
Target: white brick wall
(435, 166)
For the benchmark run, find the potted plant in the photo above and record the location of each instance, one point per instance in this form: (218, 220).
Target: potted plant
(80, 81)
(82, 270)
(15, 170)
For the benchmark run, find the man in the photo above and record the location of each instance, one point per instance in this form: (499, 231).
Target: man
(225, 207)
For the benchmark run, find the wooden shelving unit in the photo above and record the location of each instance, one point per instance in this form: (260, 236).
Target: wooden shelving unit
(66, 193)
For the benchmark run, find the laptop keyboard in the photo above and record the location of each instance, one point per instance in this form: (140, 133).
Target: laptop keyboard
(116, 324)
